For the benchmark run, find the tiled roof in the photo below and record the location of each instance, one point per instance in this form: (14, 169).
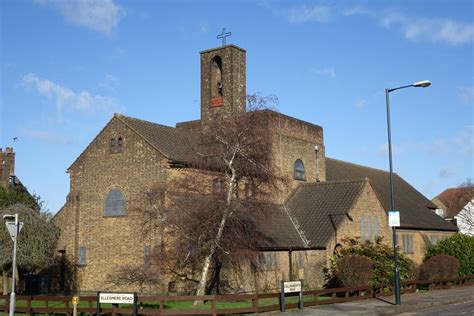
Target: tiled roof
(455, 199)
(281, 232)
(415, 209)
(320, 207)
(175, 144)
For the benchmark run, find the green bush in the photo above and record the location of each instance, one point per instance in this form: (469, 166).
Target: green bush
(439, 267)
(382, 260)
(354, 270)
(459, 246)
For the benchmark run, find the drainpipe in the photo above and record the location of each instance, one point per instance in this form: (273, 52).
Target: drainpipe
(290, 260)
(316, 151)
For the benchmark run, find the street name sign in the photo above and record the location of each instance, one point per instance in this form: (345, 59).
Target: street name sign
(117, 298)
(292, 287)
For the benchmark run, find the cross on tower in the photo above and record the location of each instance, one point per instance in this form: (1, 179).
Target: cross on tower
(223, 35)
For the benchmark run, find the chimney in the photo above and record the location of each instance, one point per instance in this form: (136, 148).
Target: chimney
(7, 166)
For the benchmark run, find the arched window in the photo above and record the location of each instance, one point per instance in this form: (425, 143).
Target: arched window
(299, 170)
(114, 203)
(216, 82)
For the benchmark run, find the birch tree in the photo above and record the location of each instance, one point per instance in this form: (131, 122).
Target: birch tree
(239, 150)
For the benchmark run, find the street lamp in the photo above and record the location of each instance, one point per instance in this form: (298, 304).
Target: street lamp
(396, 273)
(14, 228)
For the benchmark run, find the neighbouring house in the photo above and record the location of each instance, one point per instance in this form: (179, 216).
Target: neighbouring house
(326, 200)
(457, 205)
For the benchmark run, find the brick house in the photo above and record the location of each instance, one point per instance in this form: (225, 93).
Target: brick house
(325, 201)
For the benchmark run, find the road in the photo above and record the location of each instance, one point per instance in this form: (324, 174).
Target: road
(446, 310)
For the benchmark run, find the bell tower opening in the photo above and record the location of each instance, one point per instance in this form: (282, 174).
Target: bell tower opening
(223, 83)
(216, 82)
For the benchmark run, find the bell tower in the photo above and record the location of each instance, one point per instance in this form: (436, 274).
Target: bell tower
(223, 83)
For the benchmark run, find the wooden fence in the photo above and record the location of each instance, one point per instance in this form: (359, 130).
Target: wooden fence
(255, 303)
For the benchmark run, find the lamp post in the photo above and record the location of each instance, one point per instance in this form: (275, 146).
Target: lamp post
(396, 272)
(14, 229)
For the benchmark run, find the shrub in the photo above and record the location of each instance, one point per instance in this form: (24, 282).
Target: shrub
(354, 270)
(459, 246)
(382, 260)
(439, 267)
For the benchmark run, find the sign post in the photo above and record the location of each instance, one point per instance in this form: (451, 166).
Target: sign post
(75, 302)
(13, 228)
(291, 287)
(117, 298)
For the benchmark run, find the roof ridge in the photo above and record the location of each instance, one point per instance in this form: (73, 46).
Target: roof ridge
(358, 165)
(365, 179)
(141, 120)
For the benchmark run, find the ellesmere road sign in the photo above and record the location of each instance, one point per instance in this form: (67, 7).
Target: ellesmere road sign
(116, 298)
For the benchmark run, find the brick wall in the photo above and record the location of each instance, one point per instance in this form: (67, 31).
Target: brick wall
(421, 241)
(110, 242)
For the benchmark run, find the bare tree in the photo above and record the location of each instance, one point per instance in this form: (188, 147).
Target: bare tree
(207, 218)
(239, 149)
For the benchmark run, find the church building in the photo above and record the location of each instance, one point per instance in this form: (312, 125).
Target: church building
(325, 201)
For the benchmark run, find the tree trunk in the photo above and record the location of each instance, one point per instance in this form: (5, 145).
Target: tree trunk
(201, 290)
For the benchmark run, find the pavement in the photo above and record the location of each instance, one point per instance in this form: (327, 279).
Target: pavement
(410, 303)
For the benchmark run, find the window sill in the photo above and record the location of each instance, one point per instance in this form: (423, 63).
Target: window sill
(114, 216)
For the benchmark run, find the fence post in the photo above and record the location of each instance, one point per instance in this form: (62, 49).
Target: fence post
(135, 304)
(28, 305)
(255, 303)
(301, 302)
(97, 307)
(282, 297)
(214, 305)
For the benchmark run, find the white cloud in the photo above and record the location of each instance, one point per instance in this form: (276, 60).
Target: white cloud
(357, 11)
(466, 94)
(102, 16)
(464, 141)
(109, 82)
(360, 103)
(65, 98)
(46, 136)
(324, 72)
(314, 13)
(434, 30)
(447, 172)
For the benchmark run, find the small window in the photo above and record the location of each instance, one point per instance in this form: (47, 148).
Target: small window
(376, 227)
(146, 256)
(81, 258)
(299, 170)
(114, 203)
(362, 229)
(270, 261)
(172, 286)
(301, 259)
(407, 246)
(218, 186)
(369, 228)
(116, 145)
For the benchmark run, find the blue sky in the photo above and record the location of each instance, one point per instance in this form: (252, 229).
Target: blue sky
(67, 66)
